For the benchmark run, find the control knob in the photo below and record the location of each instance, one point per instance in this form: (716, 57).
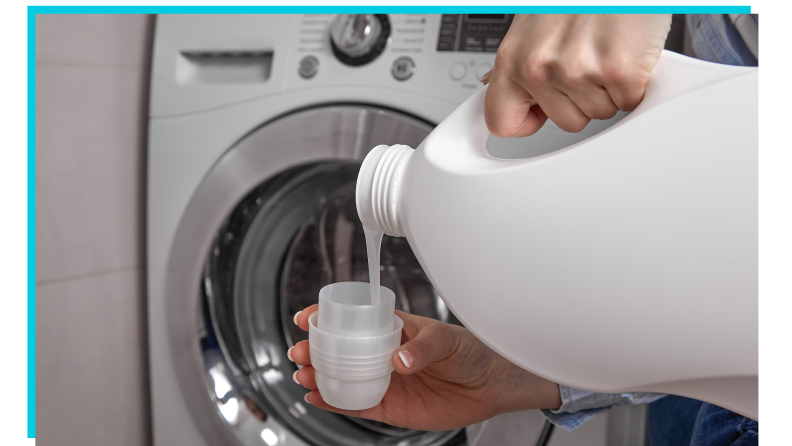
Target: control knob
(357, 39)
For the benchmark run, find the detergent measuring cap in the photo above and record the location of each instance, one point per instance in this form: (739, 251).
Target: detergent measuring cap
(351, 343)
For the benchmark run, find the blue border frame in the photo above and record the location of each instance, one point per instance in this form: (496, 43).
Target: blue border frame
(388, 9)
(31, 151)
(31, 227)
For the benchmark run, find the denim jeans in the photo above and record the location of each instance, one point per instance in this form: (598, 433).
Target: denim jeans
(678, 421)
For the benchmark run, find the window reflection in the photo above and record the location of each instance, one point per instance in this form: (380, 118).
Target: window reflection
(272, 376)
(269, 437)
(221, 384)
(229, 410)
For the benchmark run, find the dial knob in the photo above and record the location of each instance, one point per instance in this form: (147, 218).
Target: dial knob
(359, 38)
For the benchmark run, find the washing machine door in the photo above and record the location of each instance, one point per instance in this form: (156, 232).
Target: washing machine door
(272, 223)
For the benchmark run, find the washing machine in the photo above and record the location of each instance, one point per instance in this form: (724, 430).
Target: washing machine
(258, 125)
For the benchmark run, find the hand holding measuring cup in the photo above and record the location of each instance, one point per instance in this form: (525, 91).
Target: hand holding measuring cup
(444, 378)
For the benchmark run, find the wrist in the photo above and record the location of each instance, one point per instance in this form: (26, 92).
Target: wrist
(518, 389)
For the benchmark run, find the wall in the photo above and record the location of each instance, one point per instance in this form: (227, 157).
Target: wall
(91, 108)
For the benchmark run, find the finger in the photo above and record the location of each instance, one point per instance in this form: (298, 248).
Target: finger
(625, 83)
(485, 78)
(306, 377)
(626, 96)
(413, 324)
(301, 318)
(507, 109)
(594, 101)
(434, 343)
(578, 76)
(300, 353)
(560, 109)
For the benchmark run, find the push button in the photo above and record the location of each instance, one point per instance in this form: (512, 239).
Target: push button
(403, 68)
(458, 71)
(448, 31)
(309, 66)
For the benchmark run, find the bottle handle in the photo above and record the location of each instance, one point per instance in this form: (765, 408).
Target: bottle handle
(673, 75)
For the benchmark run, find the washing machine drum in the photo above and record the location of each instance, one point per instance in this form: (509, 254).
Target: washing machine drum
(296, 232)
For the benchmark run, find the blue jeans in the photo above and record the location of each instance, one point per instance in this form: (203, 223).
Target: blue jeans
(678, 421)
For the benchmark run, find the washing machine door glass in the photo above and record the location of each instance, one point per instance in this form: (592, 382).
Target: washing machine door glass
(294, 233)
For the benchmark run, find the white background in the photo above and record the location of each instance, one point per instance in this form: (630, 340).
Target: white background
(775, 202)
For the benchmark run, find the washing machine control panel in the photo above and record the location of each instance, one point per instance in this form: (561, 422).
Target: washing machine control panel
(473, 32)
(442, 55)
(205, 61)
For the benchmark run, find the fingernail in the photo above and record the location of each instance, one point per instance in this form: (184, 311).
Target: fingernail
(485, 78)
(288, 354)
(294, 377)
(306, 399)
(295, 317)
(407, 358)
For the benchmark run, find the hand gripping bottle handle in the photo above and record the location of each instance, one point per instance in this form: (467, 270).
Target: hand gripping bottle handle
(673, 75)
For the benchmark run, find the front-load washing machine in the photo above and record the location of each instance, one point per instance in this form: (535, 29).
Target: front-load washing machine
(258, 125)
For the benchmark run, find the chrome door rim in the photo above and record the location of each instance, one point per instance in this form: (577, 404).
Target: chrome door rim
(342, 131)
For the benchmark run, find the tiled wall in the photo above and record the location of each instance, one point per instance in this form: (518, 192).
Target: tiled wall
(91, 107)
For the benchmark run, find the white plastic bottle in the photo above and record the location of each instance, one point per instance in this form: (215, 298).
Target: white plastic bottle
(626, 262)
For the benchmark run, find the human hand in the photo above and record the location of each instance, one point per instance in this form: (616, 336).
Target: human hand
(447, 379)
(576, 67)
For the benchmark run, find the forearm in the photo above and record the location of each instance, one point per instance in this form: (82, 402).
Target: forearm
(517, 389)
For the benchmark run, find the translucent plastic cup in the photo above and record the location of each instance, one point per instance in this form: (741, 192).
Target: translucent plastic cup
(351, 343)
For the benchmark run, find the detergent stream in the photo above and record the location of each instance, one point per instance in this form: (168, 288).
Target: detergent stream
(373, 245)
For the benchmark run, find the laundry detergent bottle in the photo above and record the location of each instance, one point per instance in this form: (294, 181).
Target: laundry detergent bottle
(625, 262)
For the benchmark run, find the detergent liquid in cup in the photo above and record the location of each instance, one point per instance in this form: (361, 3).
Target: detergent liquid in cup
(351, 342)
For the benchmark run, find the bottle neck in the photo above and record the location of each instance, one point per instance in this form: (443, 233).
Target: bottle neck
(378, 191)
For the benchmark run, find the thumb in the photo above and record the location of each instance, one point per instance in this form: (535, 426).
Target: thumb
(434, 343)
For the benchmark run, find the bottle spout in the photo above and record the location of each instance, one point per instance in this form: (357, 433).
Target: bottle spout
(378, 189)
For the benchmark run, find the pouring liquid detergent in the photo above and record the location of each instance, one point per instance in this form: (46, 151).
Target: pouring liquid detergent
(353, 336)
(625, 262)
(373, 247)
